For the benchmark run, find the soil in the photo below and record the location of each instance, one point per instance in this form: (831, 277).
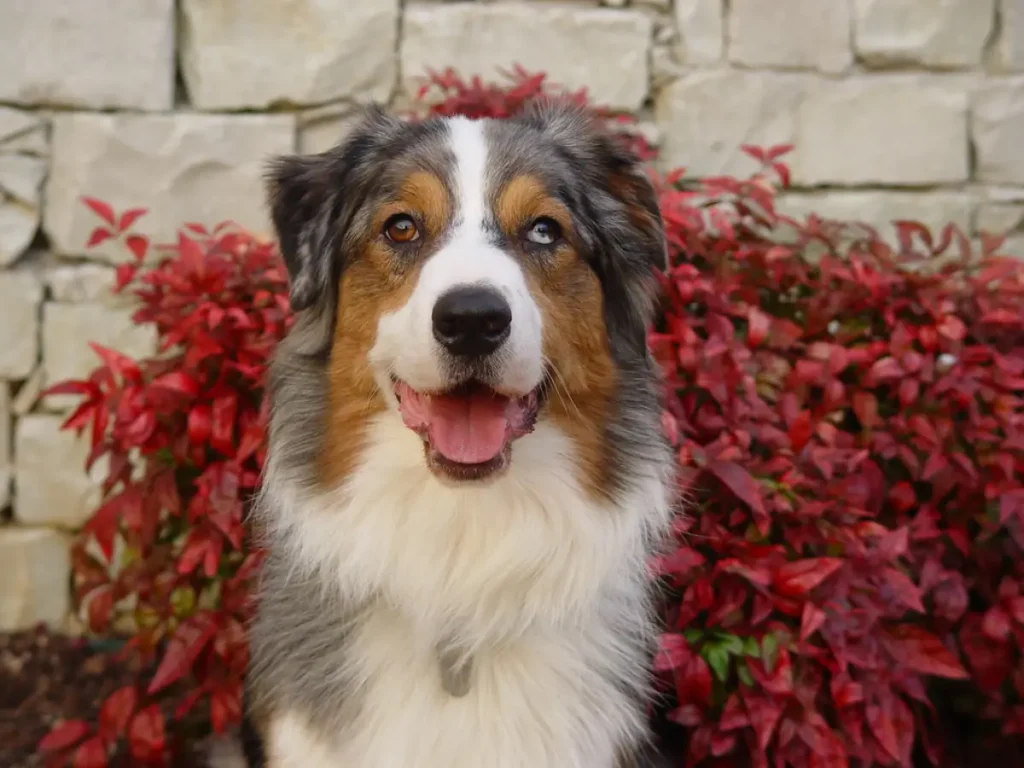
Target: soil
(46, 677)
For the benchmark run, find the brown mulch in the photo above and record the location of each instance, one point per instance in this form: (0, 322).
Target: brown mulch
(46, 677)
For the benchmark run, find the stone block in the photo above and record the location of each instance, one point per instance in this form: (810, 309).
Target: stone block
(603, 49)
(183, 167)
(20, 296)
(257, 53)
(704, 117)
(946, 34)
(35, 578)
(791, 34)
(22, 132)
(22, 170)
(997, 129)
(96, 55)
(69, 328)
(6, 415)
(323, 128)
(881, 130)
(1008, 52)
(701, 30)
(51, 484)
(75, 283)
(879, 209)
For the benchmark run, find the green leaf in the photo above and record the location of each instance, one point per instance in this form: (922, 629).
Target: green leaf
(751, 648)
(744, 675)
(732, 644)
(769, 651)
(693, 636)
(718, 660)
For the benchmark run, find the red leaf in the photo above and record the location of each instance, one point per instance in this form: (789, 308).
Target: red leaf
(740, 482)
(178, 382)
(129, 217)
(124, 274)
(116, 711)
(188, 642)
(811, 621)
(101, 209)
(922, 652)
(98, 235)
(865, 407)
(883, 730)
(119, 364)
(64, 735)
(902, 497)
(673, 650)
(903, 587)
(138, 245)
(101, 605)
(146, 738)
(996, 624)
(92, 754)
(759, 323)
(797, 578)
(1011, 504)
(222, 434)
(199, 424)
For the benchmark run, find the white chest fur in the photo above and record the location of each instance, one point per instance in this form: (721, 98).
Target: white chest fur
(527, 575)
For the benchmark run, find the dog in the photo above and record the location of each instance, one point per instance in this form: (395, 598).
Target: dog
(466, 472)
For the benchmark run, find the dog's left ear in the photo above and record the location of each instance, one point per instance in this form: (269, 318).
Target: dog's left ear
(312, 200)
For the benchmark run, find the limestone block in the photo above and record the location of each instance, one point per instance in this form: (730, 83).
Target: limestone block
(950, 33)
(255, 53)
(879, 209)
(98, 55)
(705, 117)
(701, 30)
(881, 130)
(793, 34)
(1009, 48)
(22, 132)
(323, 128)
(28, 393)
(603, 49)
(51, 484)
(35, 577)
(80, 282)
(20, 297)
(69, 328)
(997, 128)
(6, 414)
(183, 167)
(21, 181)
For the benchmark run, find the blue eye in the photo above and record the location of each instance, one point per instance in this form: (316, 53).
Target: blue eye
(544, 231)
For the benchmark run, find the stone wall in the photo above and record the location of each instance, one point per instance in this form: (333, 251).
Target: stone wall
(898, 109)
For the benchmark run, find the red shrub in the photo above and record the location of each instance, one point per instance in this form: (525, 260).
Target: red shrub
(182, 437)
(850, 433)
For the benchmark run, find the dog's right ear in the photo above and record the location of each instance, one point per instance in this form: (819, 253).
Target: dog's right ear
(312, 200)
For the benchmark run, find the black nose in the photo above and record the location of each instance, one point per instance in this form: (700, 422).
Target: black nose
(471, 322)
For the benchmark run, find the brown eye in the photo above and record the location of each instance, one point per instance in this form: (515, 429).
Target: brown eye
(544, 231)
(400, 228)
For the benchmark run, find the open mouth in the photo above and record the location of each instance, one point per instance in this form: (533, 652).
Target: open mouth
(467, 431)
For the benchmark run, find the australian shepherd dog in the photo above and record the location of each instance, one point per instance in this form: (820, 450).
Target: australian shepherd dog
(466, 473)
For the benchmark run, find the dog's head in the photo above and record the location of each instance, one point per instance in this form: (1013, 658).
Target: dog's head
(481, 276)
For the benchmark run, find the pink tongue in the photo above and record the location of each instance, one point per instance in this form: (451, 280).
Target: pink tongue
(468, 429)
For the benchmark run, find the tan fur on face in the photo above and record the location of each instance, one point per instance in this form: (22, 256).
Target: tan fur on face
(374, 283)
(575, 337)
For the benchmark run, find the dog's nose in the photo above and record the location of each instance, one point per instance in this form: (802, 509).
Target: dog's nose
(471, 321)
